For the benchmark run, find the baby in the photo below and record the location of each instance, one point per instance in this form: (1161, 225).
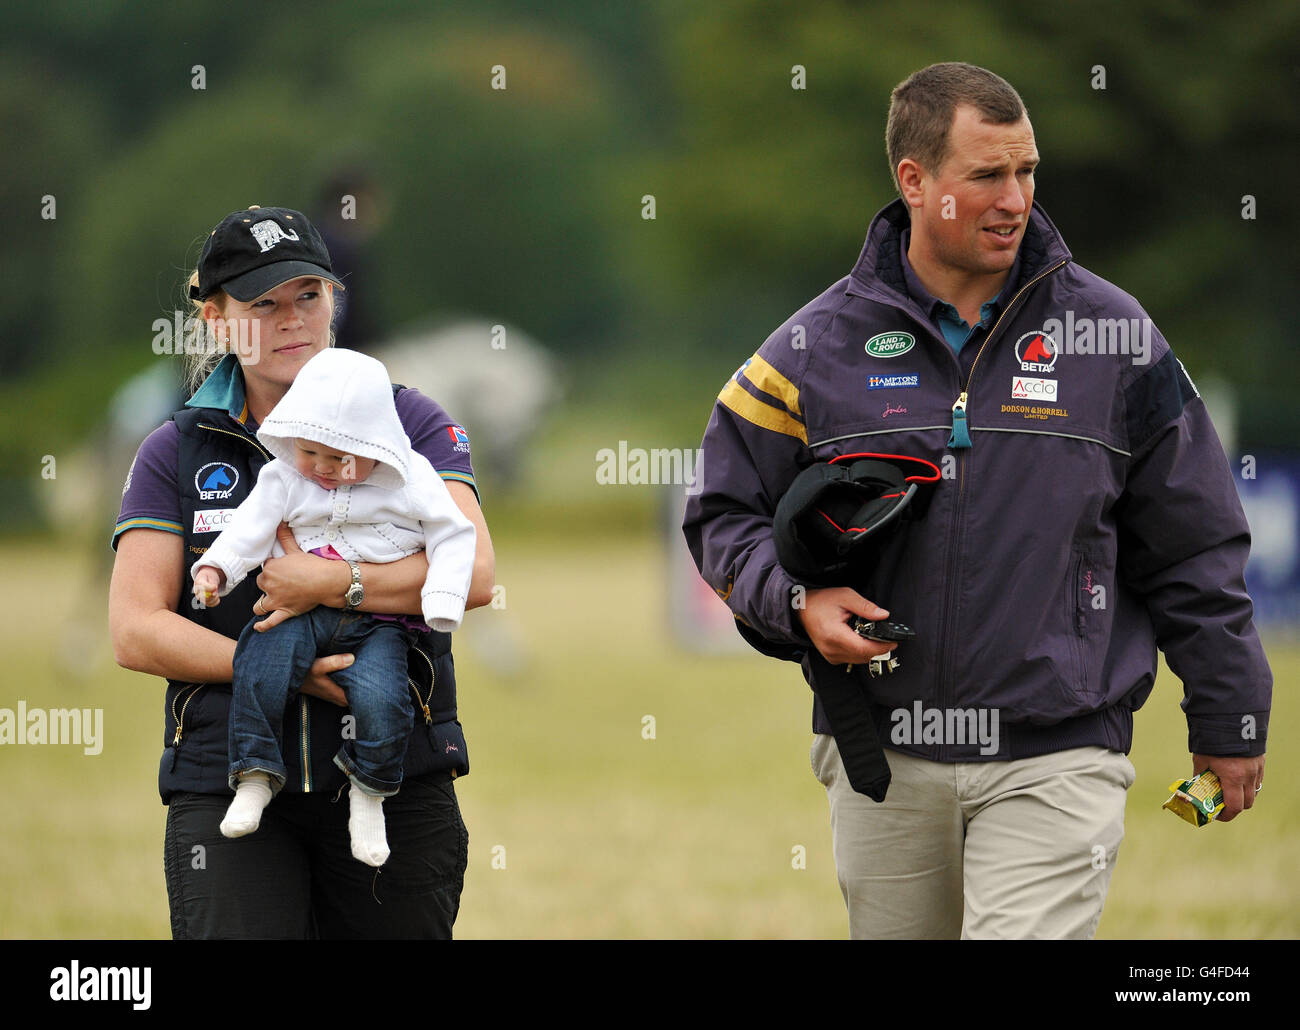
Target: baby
(350, 487)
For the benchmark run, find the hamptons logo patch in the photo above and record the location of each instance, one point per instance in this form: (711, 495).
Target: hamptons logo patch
(890, 345)
(1037, 352)
(459, 439)
(268, 233)
(216, 481)
(892, 382)
(1024, 388)
(213, 520)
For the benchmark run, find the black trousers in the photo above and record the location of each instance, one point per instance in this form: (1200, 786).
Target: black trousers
(295, 878)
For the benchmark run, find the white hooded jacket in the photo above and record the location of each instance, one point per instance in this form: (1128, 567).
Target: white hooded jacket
(344, 400)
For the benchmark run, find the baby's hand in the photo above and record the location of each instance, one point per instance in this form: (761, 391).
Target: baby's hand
(207, 581)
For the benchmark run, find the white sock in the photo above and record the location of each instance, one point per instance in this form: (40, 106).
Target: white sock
(245, 813)
(366, 827)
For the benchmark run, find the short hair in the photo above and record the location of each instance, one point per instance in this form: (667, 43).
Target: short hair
(922, 106)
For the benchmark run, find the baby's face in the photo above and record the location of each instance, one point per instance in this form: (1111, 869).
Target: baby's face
(327, 468)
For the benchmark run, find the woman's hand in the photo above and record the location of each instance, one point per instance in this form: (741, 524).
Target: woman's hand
(298, 581)
(318, 682)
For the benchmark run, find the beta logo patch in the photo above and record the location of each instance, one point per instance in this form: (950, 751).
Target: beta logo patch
(213, 520)
(890, 345)
(1024, 388)
(892, 382)
(216, 481)
(459, 439)
(1037, 352)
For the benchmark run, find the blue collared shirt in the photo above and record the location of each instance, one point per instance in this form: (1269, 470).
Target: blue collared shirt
(223, 389)
(954, 328)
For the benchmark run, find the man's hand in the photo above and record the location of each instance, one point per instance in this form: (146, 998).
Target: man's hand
(825, 617)
(298, 582)
(318, 682)
(1241, 778)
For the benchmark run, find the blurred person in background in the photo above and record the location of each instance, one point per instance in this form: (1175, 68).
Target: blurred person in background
(350, 209)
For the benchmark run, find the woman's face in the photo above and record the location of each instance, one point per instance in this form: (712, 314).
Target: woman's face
(275, 334)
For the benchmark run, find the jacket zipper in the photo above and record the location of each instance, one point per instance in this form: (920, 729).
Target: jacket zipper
(240, 436)
(179, 719)
(304, 711)
(304, 724)
(424, 703)
(961, 432)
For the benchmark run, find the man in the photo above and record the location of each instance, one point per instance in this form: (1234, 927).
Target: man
(1086, 514)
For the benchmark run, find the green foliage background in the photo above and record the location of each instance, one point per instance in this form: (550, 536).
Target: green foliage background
(524, 207)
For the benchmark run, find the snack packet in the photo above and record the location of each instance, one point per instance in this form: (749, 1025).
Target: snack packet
(1197, 800)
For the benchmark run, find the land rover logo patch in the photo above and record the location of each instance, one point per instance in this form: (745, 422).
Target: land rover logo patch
(890, 345)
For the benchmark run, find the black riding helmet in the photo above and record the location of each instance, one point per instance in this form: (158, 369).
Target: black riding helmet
(833, 521)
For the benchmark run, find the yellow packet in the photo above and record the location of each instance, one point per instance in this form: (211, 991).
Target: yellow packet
(1197, 800)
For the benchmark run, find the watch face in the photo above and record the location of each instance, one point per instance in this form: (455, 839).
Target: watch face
(355, 594)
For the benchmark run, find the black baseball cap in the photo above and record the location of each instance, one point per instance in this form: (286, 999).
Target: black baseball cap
(256, 250)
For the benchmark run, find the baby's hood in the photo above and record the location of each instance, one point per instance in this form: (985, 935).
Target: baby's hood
(344, 400)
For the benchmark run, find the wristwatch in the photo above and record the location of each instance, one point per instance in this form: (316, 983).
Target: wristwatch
(356, 592)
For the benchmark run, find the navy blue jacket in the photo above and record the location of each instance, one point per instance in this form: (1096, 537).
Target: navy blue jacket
(1087, 512)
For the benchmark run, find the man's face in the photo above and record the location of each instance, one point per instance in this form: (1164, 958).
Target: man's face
(970, 215)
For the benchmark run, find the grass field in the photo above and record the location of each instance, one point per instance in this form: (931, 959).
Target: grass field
(605, 834)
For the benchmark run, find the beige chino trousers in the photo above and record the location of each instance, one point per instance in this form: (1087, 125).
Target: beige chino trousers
(1014, 849)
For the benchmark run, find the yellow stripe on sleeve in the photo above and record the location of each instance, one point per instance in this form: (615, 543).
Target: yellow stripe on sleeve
(751, 409)
(770, 381)
(144, 522)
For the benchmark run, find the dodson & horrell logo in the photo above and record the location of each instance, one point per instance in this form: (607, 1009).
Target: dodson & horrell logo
(890, 345)
(216, 481)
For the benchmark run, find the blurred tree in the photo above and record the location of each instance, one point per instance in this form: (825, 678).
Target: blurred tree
(757, 127)
(767, 189)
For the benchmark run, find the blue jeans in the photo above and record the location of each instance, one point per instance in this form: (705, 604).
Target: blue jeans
(270, 666)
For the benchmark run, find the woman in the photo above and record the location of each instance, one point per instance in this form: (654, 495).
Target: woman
(264, 293)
